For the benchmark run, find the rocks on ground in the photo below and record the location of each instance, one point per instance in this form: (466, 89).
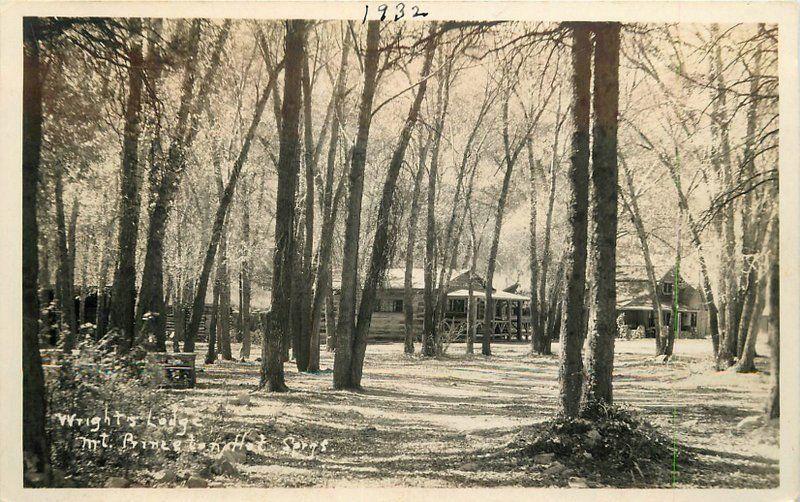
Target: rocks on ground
(196, 482)
(117, 482)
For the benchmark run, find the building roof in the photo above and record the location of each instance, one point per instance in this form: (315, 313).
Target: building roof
(395, 278)
(497, 295)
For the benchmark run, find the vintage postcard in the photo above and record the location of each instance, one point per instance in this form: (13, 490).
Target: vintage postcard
(403, 250)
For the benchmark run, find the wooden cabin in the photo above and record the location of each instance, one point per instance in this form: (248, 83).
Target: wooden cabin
(635, 303)
(512, 312)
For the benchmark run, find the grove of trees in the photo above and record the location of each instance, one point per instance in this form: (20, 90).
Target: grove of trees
(170, 163)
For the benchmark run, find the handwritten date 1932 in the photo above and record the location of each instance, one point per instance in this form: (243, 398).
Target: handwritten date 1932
(399, 12)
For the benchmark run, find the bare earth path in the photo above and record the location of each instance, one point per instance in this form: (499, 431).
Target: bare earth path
(436, 423)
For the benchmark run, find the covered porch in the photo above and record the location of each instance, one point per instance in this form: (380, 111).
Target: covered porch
(512, 315)
(644, 316)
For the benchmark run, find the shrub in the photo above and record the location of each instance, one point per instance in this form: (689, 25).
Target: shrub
(88, 383)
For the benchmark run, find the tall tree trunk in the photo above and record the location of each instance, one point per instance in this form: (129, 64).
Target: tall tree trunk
(472, 300)
(411, 237)
(149, 298)
(706, 291)
(489, 307)
(773, 408)
(602, 322)
(730, 307)
(245, 286)
(570, 372)
(72, 252)
(543, 320)
(224, 298)
(330, 207)
(198, 305)
(536, 341)
(278, 328)
(631, 203)
(345, 326)
(747, 276)
(450, 244)
(429, 323)
(123, 297)
(35, 447)
(65, 284)
(165, 185)
(381, 246)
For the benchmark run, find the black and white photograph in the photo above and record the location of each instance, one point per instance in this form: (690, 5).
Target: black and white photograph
(406, 246)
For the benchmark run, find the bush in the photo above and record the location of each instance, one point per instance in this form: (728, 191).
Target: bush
(87, 384)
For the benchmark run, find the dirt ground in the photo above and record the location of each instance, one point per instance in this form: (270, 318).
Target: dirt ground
(444, 423)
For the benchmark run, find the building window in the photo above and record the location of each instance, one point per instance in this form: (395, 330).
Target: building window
(667, 317)
(457, 305)
(666, 288)
(693, 319)
(397, 306)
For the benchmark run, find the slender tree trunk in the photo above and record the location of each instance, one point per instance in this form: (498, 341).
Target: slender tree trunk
(452, 237)
(489, 311)
(65, 284)
(536, 342)
(245, 288)
(747, 277)
(198, 305)
(74, 323)
(602, 322)
(123, 297)
(472, 301)
(322, 292)
(570, 373)
(330, 208)
(224, 314)
(35, 447)
(429, 324)
(545, 320)
(381, 246)
(166, 180)
(330, 314)
(408, 291)
(773, 408)
(554, 310)
(631, 203)
(211, 354)
(277, 330)
(345, 326)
